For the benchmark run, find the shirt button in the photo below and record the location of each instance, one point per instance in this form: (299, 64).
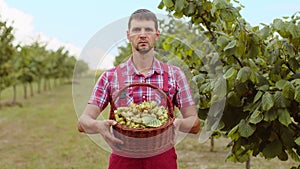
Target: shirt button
(144, 97)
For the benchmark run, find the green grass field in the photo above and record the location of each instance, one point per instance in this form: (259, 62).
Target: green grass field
(43, 135)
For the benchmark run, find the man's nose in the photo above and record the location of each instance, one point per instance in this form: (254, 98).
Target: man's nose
(142, 33)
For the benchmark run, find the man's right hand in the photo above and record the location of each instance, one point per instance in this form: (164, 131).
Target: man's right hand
(103, 126)
(89, 124)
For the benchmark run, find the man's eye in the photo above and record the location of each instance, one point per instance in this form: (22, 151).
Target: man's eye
(149, 30)
(136, 30)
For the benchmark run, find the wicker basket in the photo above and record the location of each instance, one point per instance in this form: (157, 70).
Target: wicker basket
(144, 142)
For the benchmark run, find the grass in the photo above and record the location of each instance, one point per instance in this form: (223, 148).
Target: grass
(43, 135)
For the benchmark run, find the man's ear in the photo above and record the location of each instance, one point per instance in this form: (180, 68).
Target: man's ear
(128, 36)
(157, 35)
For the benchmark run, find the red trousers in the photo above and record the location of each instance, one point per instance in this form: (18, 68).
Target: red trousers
(166, 160)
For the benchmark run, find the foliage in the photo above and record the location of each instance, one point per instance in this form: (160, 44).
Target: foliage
(7, 52)
(81, 68)
(261, 67)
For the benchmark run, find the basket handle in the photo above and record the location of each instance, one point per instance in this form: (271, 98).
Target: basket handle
(169, 103)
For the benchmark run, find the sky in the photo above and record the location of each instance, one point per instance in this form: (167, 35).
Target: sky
(74, 24)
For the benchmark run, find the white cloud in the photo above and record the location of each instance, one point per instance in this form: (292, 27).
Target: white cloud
(24, 29)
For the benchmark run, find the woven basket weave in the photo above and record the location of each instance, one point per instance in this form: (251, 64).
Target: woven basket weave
(144, 142)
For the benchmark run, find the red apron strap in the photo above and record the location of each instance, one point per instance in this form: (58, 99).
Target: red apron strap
(120, 77)
(121, 83)
(166, 81)
(165, 76)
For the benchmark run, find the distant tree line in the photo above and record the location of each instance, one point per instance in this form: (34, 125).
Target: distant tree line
(34, 63)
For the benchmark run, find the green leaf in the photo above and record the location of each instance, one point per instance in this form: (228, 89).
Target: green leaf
(293, 155)
(284, 117)
(179, 5)
(256, 117)
(254, 78)
(251, 107)
(178, 14)
(222, 41)
(253, 47)
(272, 150)
(267, 101)
(168, 3)
(270, 115)
(241, 88)
(234, 99)
(190, 9)
(244, 74)
(230, 45)
(245, 129)
(230, 73)
(288, 90)
(280, 101)
(242, 155)
(297, 94)
(265, 32)
(151, 121)
(233, 133)
(161, 5)
(257, 96)
(296, 82)
(279, 84)
(262, 80)
(294, 63)
(239, 50)
(294, 30)
(199, 78)
(219, 87)
(263, 88)
(283, 156)
(220, 4)
(297, 141)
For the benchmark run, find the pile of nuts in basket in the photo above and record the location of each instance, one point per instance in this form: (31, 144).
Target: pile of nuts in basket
(146, 114)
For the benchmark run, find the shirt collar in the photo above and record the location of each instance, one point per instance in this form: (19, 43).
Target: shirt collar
(156, 67)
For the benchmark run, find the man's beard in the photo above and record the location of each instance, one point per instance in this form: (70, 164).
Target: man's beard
(143, 50)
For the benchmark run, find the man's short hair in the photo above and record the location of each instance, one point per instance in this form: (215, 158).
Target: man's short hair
(143, 14)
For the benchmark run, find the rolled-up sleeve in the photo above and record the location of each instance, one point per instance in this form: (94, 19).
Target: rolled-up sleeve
(101, 92)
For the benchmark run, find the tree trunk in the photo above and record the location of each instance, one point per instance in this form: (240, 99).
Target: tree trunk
(45, 85)
(248, 166)
(55, 82)
(31, 89)
(49, 84)
(212, 144)
(14, 94)
(25, 90)
(39, 86)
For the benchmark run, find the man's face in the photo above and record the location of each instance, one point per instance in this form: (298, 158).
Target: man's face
(142, 35)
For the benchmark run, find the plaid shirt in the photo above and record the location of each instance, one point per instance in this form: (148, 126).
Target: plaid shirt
(108, 86)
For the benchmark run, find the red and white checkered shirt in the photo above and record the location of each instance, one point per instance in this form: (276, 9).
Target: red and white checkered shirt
(108, 85)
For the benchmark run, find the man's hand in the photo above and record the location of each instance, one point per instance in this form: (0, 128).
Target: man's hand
(190, 122)
(176, 123)
(104, 129)
(89, 124)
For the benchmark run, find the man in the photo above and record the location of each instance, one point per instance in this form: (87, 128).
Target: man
(141, 67)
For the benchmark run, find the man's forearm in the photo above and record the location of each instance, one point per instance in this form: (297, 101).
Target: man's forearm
(190, 124)
(87, 125)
